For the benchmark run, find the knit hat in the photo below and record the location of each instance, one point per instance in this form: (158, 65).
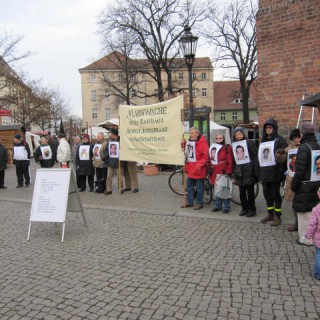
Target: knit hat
(114, 131)
(307, 128)
(86, 136)
(294, 133)
(238, 129)
(17, 136)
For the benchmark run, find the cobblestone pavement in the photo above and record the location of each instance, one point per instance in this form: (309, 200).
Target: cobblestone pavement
(130, 264)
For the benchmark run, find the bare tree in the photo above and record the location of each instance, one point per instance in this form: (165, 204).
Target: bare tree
(232, 32)
(154, 27)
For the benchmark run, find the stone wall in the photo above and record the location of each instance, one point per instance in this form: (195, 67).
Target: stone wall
(288, 58)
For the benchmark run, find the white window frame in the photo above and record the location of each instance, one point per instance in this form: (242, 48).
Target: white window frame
(180, 76)
(94, 95)
(203, 76)
(235, 115)
(204, 92)
(93, 78)
(222, 116)
(94, 113)
(107, 113)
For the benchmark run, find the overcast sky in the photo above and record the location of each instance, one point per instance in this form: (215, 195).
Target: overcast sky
(62, 36)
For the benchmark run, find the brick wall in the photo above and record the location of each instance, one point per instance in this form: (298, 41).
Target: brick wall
(288, 40)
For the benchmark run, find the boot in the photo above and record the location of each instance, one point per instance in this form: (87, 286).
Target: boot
(276, 221)
(251, 213)
(267, 218)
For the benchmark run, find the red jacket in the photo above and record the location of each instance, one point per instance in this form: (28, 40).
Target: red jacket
(198, 169)
(225, 163)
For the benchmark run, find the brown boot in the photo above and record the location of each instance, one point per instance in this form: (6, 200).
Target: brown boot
(276, 221)
(267, 218)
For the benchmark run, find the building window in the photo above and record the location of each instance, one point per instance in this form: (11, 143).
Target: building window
(93, 78)
(180, 76)
(156, 92)
(222, 116)
(94, 113)
(204, 92)
(133, 77)
(133, 93)
(193, 76)
(93, 95)
(193, 93)
(234, 115)
(107, 113)
(203, 76)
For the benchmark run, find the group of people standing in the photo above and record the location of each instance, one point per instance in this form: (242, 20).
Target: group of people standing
(244, 164)
(98, 160)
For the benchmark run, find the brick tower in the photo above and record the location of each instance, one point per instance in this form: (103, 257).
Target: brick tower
(288, 58)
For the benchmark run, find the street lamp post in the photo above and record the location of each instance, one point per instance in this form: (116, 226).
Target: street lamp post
(188, 45)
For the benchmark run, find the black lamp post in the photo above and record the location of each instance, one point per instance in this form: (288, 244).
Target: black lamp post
(188, 45)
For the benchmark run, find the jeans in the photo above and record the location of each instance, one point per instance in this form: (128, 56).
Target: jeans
(222, 203)
(316, 272)
(199, 185)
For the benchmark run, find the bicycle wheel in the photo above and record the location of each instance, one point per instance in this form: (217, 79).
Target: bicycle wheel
(207, 196)
(236, 195)
(177, 182)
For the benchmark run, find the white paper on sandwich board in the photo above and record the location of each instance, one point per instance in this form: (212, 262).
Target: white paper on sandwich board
(51, 195)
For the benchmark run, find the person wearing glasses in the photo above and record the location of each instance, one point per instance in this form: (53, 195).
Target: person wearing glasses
(224, 166)
(272, 175)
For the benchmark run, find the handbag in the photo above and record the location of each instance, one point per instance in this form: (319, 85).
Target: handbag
(223, 187)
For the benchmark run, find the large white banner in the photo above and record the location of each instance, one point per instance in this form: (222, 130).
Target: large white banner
(152, 133)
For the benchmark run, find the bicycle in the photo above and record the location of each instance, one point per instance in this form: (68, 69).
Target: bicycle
(177, 183)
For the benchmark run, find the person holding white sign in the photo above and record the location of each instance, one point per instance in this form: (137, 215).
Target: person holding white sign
(246, 171)
(84, 164)
(21, 159)
(304, 187)
(196, 167)
(271, 172)
(44, 155)
(100, 166)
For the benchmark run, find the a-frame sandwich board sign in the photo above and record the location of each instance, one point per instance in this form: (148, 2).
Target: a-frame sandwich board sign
(55, 193)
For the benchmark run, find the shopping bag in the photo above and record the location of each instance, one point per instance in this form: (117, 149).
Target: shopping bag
(223, 187)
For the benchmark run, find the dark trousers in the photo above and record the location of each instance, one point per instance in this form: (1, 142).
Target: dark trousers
(1, 178)
(101, 174)
(22, 170)
(271, 192)
(247, 197)
(83, 180)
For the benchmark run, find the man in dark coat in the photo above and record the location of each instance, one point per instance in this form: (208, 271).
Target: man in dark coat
(272, 174)
(44, 154)
(21, 158)
(84, 164)
(305, 190)
(3, 164)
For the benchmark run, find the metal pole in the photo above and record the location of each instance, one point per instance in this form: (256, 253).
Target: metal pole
(190, 95)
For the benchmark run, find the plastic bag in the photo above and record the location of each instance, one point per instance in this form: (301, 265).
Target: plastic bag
(223, 187)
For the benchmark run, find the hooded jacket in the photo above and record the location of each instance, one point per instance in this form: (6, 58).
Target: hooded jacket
(198, 169)
(274, 173)
(305, 197)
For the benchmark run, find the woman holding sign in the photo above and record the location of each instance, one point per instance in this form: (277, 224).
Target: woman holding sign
(246, 170)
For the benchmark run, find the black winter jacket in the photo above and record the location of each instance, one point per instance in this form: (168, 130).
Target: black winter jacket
(276, 172)
(305, 197)
(85, 167)
(248, 173)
